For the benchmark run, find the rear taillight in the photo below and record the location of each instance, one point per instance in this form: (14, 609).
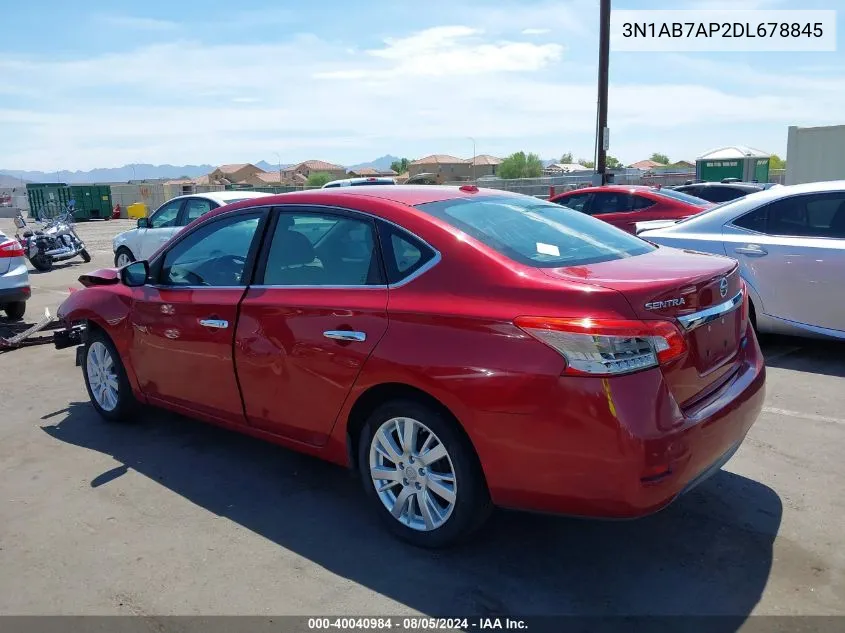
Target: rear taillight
(607, 347)
(11, 248)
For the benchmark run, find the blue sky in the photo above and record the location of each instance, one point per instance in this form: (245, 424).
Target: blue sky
(105, 83)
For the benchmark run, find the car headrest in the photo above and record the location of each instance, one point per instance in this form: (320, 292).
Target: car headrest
(293, 248)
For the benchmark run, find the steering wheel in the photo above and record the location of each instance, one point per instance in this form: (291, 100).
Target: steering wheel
(225, 268)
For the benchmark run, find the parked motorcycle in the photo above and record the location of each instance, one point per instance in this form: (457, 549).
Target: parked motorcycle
(55, 241)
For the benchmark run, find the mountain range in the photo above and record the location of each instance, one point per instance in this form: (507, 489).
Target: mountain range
(144, 171)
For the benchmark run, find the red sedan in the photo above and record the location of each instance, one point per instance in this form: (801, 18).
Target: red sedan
(460, 348)
(625, 205)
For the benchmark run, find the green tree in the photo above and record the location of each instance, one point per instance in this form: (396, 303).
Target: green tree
(613, 162)
(521, 165)
(776, 162)
(657, 157)
(400, 166)
(587, 163)
(319, 178)
(566, 158)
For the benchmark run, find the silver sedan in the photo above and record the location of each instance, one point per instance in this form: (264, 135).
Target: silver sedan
(790, 244)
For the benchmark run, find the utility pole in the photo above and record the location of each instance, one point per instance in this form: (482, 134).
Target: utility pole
(602, 133)
(279, 156)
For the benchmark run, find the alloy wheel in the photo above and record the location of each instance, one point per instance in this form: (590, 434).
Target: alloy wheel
(102, 376)
(413, 474)
(123, 259)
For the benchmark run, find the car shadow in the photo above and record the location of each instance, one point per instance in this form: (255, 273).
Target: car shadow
(708, 554)
(813, 356)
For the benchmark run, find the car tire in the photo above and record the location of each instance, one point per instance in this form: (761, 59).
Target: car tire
(106, 382)
(16, 310)
(123, 251)
(420, 482)
(86, 257)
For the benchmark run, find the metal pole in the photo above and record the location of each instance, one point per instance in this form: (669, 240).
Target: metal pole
(280, 167)
(473, 158)
(604, 62)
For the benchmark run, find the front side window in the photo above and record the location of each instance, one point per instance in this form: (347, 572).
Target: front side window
(319, 249)
(166, 215)
(576, 201)
(641, 202)
(537, 233)
(213, 255)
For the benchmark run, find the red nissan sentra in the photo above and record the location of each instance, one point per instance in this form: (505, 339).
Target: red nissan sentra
(461, 348)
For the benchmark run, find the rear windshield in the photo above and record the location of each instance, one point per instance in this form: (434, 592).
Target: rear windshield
(680, 195)
(537, 233)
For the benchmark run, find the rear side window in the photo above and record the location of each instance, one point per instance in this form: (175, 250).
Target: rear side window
(816, 215)
(607, 202)
(537, 233)
(403, 254)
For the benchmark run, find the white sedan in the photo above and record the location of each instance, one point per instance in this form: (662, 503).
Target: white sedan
(169, 219)
(790, 244)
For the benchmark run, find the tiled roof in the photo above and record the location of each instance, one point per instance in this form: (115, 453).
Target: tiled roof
(269, 177)
(439, 159)
(317, 165)
(231, 169)
(647, 164)
(487, 159)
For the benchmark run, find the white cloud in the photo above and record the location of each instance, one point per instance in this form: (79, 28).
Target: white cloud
(449, 50)
(137, 23)
(535, 31)
(188, 102)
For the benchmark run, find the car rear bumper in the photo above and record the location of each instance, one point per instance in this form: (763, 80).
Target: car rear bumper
(14, 283)
(618, 448)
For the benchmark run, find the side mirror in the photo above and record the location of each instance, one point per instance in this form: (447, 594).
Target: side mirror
(143, 223)
(135, 274)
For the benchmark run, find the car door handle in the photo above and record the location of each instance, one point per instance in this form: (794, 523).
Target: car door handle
(753, 250)
(345, 335)
(216, 324)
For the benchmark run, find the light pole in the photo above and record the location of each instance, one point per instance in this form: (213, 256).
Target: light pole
(602, 132)
(134, 177)
(473, 158)
(280, 167)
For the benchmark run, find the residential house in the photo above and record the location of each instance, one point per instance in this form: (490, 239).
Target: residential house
(269, 179)
(298, 174)
(241, 173)
(646, 165)
(484, 165)
(371, 172)
(446, 168)
(558, 169)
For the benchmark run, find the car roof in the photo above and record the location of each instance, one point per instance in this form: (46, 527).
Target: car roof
(224, 197)
(352, 181)
(410, 195)
(613, 189)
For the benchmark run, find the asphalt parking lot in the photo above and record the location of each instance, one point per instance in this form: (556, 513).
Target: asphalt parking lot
(171, 516)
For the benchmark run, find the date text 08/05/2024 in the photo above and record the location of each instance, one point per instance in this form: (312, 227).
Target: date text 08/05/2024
(416, 624)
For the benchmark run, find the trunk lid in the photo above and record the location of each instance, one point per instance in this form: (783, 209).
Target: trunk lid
(669, 284)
